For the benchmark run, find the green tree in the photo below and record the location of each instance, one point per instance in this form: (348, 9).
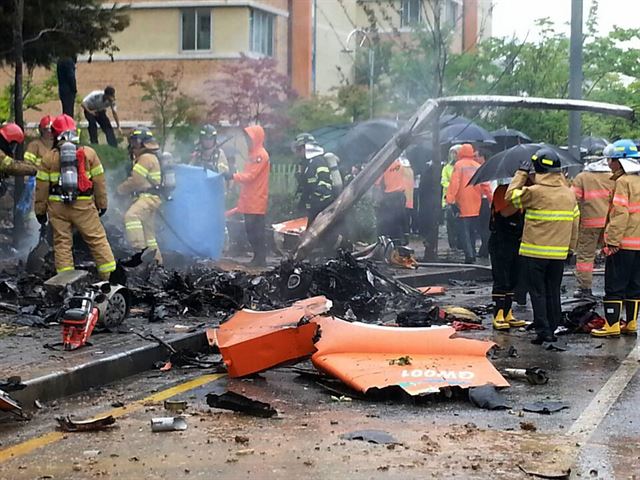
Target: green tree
(169, 107)
(306, 114)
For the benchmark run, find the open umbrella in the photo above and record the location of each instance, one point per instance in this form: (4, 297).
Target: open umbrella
(509, 137)
(505, 163)
(329, 136)
(465, 133)
(360, 143)
(593, 145)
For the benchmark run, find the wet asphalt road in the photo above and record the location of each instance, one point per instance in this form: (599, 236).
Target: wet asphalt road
(440, 438)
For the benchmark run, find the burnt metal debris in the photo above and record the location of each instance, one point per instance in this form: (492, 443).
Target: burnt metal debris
(240, 403)
(359, 290)
(68, 424)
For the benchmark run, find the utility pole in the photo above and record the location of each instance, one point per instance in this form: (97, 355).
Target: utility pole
(575, 76)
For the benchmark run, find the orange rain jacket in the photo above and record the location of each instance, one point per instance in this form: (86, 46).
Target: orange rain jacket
(623, 225)
(254, 179)
(392, 180)
(467, 197)
(593, 191)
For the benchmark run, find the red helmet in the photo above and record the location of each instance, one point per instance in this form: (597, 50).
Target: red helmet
(11, 132)
(63, 123)
(45, 122)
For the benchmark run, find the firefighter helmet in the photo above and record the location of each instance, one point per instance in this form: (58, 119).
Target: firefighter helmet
(208, 131)
(12, 133)
(45, 123)
(64, 128)
(546, 160)
(624, 149)
(142, 137)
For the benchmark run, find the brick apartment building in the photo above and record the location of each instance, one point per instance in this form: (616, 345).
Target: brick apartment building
(306, 37)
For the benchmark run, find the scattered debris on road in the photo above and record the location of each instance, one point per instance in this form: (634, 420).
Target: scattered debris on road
(488, 397)
(544, 407)
(379, 437)
(239, 403)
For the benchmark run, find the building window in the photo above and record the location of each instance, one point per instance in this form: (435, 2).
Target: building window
(261, 32)
(410, 12)
(196, 29)
(451, 12)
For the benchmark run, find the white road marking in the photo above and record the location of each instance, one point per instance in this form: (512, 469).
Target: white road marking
(592, 416)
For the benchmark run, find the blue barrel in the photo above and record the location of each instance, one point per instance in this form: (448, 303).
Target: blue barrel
(192, 224)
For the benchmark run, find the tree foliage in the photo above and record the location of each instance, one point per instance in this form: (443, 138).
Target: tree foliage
(60, 28)
(169, 107)
(251, 90)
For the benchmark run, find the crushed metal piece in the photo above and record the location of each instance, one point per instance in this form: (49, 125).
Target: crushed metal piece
(175, 405)
(534, 375)
(99, 423)
(168, 424)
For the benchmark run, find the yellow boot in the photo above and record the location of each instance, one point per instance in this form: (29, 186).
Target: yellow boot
(612, 312)
(630, 326)
(499, 322)
(508, 302)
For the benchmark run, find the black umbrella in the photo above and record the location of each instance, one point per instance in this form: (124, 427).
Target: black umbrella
(452, 119)
(593, 145)
(509, 137)
(328, 137)
(360, 143)
(505, 163)
(465, 133)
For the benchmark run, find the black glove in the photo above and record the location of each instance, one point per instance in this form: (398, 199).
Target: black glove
(42, 219)
(526, 165)
(102, 211)
(227, 175)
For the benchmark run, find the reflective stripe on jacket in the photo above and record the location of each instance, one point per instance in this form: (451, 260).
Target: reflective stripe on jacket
(593, 191)
(49, 174)
(145, 175)
(317, 188)
(551, 215)
(623, 224)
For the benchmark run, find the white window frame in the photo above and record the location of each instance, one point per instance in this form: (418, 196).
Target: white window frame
(448, 6)
(403, 17)
(263, 14)
(195, 11)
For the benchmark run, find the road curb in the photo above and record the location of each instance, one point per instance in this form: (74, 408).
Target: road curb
(102, 371)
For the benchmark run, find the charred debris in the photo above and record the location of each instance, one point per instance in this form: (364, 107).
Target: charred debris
(359, 290)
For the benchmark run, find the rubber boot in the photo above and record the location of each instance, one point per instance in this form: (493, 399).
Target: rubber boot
(499, 322)
(612, 312)
(630, 326)
(508, 302)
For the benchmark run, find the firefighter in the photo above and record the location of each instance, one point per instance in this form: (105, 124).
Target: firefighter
(316, 185)
(144, 184)
(593, 189)
(254, 193)
(11, 136)
(207, 153)
(622, 238)
(506, 226)
(71, 192)
(550, 232)
(38, 148)
(467, 198)
(392, 207)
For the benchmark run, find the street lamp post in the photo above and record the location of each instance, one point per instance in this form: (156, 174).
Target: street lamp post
(372, 59)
